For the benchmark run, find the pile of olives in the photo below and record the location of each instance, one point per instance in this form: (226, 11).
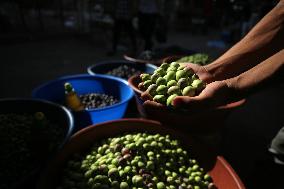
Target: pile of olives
(137, 160)
(123, 71)
(25, 141)
(97, 100)
(169, 81)
(198, 58)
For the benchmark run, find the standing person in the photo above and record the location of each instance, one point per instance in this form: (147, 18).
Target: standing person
(148, 11)
(124, 12)
(255, 144)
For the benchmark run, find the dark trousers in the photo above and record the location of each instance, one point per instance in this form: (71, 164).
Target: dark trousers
(147, 24)
(119, 26)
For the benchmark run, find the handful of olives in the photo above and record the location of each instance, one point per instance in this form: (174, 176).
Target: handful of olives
(169, 81)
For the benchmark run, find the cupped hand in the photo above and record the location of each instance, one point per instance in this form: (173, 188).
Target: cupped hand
(201, 71)
(188, 112)
(214, 95)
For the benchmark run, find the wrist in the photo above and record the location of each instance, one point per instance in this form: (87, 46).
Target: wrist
(213, 70)
(234, 85)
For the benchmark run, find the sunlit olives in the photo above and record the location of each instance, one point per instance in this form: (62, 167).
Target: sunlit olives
(174, 90)
(147, 83)
(170, 99)
(170, 76)
(171, 83)
(170, 79)
(182, 83)
(162, 90)
(152, 89)
(198, 84)
(188, 91)
(161, 81)
(154, 77)
(160, 98)
(145, 77)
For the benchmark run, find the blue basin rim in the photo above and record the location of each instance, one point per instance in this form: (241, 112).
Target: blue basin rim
(82, 76)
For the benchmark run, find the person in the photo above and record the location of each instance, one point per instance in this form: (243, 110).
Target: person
(148, 11)
(124, 11)
(254, 64)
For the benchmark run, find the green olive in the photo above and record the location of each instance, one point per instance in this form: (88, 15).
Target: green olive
(174, 64)
(137, 180)
(171, 83)
(124, 185)
(113, 173)
(181, 74)
(172, 68)
(189, 71)
(188, 91)
(147, 83)
(171, 75)
(174, 90)
(161, 185)
(164, 66)
(152, 89)
(207, 177)
(150, 165)
(212, 186)
(160, 99)
(115, 184)
(145, 77)
(170, 99)
(154, 77)
(182, 83)
(198, 84)
(161, 81)
(160, 71)
(162, 90)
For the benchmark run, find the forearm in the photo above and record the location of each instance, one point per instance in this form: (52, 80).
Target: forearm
(259, 76)
(264, 40)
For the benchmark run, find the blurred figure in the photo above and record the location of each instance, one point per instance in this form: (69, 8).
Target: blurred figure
(124, 12)
(147, 18)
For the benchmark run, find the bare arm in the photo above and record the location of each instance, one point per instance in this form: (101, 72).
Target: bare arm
(264, 74)
(219, 93)
(264, 40)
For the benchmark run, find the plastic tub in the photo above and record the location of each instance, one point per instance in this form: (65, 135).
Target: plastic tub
(56, 114)
(223, 175)
(105, 66)
(83, 84)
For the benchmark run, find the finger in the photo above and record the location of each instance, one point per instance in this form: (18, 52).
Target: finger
(154, 110)
(192, 103)
(194, 67)
(146, 96)
(152, 104)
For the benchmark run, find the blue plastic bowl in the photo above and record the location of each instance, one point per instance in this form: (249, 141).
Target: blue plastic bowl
(83, 84)
(105, 66)
(55, 113)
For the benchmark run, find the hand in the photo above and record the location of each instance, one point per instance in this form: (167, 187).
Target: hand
(201, 71)
(214, 95)
(197, 108)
